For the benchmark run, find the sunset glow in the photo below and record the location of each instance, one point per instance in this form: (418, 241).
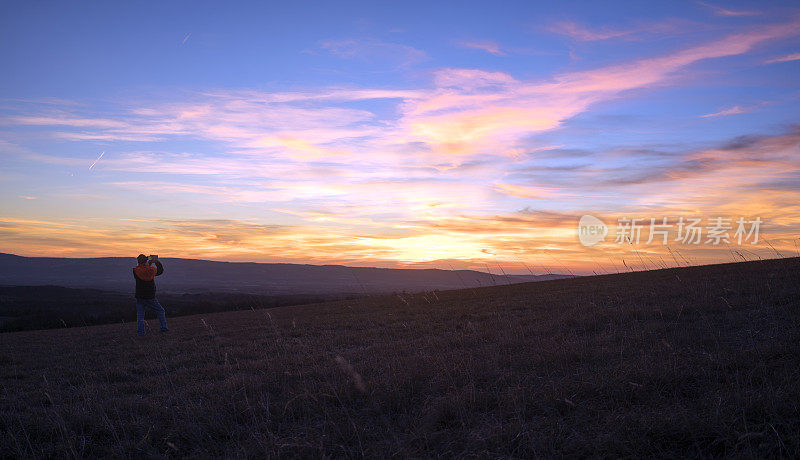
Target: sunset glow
(397, 135)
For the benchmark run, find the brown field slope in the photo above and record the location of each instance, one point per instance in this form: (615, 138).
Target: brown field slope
(690, 361)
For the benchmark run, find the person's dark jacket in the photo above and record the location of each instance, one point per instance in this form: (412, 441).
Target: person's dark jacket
(145, 285)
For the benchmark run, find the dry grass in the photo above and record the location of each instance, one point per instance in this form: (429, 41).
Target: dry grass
(693, 361)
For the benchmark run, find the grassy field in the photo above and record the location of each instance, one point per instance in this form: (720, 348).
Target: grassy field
(24, 308)
(679, 362)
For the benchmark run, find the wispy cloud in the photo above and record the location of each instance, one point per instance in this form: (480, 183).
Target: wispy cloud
(579, 32)
(466, 113)
(527, 191)
(787, 58)
(735, 110)
(484, 45)
(636, 31)
(475, 110)
(399, 55)
(403, 174)
(720, 11)
(66, 119)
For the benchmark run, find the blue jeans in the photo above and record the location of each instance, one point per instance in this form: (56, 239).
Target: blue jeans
(153, 305)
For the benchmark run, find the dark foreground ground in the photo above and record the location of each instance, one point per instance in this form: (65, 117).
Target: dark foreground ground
(692, 361)
(25, 308)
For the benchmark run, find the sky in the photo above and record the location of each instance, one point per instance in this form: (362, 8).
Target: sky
(401, 134)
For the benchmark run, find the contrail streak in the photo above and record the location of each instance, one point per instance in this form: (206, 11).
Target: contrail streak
(186, 38)
(98, 159)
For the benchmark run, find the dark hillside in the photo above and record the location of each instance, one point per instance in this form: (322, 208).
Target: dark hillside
(699, 361)
(196, 276)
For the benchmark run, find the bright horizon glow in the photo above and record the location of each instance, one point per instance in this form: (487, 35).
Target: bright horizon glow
(396, 135)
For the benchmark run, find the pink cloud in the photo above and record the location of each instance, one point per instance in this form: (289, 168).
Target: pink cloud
(491, 111)
(735, 110)
(526, 191)
(352, 225)
(578, 32)
(787, 58)
(488, 46)
(466, 112)
(720, 11)
(67, 120)
(338, 164)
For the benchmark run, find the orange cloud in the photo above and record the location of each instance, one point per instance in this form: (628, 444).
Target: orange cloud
(526, 191)
(436, 179)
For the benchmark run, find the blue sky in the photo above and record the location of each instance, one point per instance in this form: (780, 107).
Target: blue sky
(390, 133)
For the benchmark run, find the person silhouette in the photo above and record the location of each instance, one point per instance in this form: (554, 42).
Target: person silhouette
(144, 273)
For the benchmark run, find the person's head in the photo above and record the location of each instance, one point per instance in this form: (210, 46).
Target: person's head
(141, 259)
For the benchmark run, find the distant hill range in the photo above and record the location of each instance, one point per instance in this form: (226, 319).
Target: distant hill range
(192, 275)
